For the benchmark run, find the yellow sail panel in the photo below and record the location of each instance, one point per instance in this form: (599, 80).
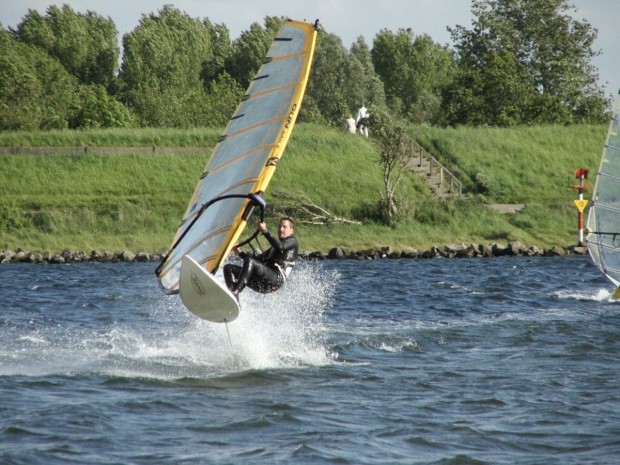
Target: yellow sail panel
(245, 159)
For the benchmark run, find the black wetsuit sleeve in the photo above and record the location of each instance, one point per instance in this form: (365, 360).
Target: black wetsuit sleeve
(281, 245)
(276, 243)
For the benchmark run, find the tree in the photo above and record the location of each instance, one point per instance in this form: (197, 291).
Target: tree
(221, 45)
(36, 92)
(249, 50)
(494, 95)
(524, 61)
(223, 96)
(160, 77)
(390, 135)
(365, 86)
(97, 109)
(325, 100)
(340, 81)
(414, 71)
(85, 44)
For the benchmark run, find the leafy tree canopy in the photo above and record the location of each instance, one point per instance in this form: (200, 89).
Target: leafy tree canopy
(163, 61)
(36, 92)
(249, 50)
(414, 71)
(340, 81)
(524, 61)
(85, 44)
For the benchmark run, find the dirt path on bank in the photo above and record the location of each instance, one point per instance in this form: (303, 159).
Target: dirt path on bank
(507, 207)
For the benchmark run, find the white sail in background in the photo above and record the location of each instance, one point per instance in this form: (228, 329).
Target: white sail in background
(246, 156)
(603, 224)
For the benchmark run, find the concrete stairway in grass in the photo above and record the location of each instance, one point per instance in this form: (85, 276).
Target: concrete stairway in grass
(440, 180)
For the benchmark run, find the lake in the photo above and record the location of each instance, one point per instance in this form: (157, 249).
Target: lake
(507, 360)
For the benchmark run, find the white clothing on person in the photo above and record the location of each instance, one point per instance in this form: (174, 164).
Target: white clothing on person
(360, 121)
(350, 125)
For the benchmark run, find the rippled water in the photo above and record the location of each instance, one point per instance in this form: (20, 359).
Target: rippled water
(480, 361)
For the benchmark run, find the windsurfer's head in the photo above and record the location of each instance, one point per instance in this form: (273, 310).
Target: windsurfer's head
(286, 227)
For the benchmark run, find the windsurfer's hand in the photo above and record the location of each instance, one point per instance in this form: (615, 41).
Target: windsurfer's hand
(262, 227)
(239, 252)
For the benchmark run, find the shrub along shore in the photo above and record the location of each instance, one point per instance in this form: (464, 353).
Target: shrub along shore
(447, 251)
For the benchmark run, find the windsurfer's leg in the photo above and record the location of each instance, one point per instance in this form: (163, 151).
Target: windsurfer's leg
(231, 275)
(257, 276)
(249, 265)
(265, 279)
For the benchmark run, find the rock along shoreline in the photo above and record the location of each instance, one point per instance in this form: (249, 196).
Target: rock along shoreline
(447, 251)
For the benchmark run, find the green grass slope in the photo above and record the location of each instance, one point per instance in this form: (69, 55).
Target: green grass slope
(518, 165)
(135, 201)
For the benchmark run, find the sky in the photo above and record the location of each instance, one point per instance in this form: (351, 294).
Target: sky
(348, 19)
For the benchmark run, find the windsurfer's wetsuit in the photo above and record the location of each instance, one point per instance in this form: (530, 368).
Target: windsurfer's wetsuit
(266, 272)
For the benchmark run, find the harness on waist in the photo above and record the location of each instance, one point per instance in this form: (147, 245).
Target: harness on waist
(286, 269)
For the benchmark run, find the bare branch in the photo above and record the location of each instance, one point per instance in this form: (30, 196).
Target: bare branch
(304, 210)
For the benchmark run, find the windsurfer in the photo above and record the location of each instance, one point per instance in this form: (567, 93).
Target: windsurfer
(266, 272)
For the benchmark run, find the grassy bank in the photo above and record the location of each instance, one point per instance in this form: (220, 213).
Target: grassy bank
(88, 201)
(112, 137)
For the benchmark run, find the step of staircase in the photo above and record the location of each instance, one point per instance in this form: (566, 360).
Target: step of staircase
(439, 179)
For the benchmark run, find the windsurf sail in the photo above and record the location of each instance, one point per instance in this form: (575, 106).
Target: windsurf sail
(245, 158)
(603, 225)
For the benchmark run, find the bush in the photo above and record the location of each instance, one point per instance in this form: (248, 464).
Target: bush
(100, 110)
(11, 219)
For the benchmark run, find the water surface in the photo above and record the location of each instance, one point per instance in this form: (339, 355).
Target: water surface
(509, 360)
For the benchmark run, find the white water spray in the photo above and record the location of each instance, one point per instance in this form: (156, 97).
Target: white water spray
(280, 330)
(160, 339)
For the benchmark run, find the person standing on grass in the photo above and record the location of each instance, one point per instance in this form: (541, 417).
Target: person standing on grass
(361, 121)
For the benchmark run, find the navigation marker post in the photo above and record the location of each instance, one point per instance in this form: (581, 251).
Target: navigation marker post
(581, 174)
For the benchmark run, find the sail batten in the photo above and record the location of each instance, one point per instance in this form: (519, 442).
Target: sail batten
(276, 119)
(604, 206)
(609, 176)
(603, 224)
(245, 158)
(241, 183)
(269, 91)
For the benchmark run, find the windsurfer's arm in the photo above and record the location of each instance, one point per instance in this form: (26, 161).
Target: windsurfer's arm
(238, 251)
(280, 245)
(275, 242)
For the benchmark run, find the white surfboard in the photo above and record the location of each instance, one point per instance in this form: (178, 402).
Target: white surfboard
(203, 295)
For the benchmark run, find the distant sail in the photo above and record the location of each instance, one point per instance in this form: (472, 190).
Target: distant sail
(603, 224)
(245, 157)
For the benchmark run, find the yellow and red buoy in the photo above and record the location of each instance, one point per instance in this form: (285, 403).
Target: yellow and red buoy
(581, 174)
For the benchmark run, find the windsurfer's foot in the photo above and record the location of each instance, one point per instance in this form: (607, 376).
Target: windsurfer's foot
(235, 294)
